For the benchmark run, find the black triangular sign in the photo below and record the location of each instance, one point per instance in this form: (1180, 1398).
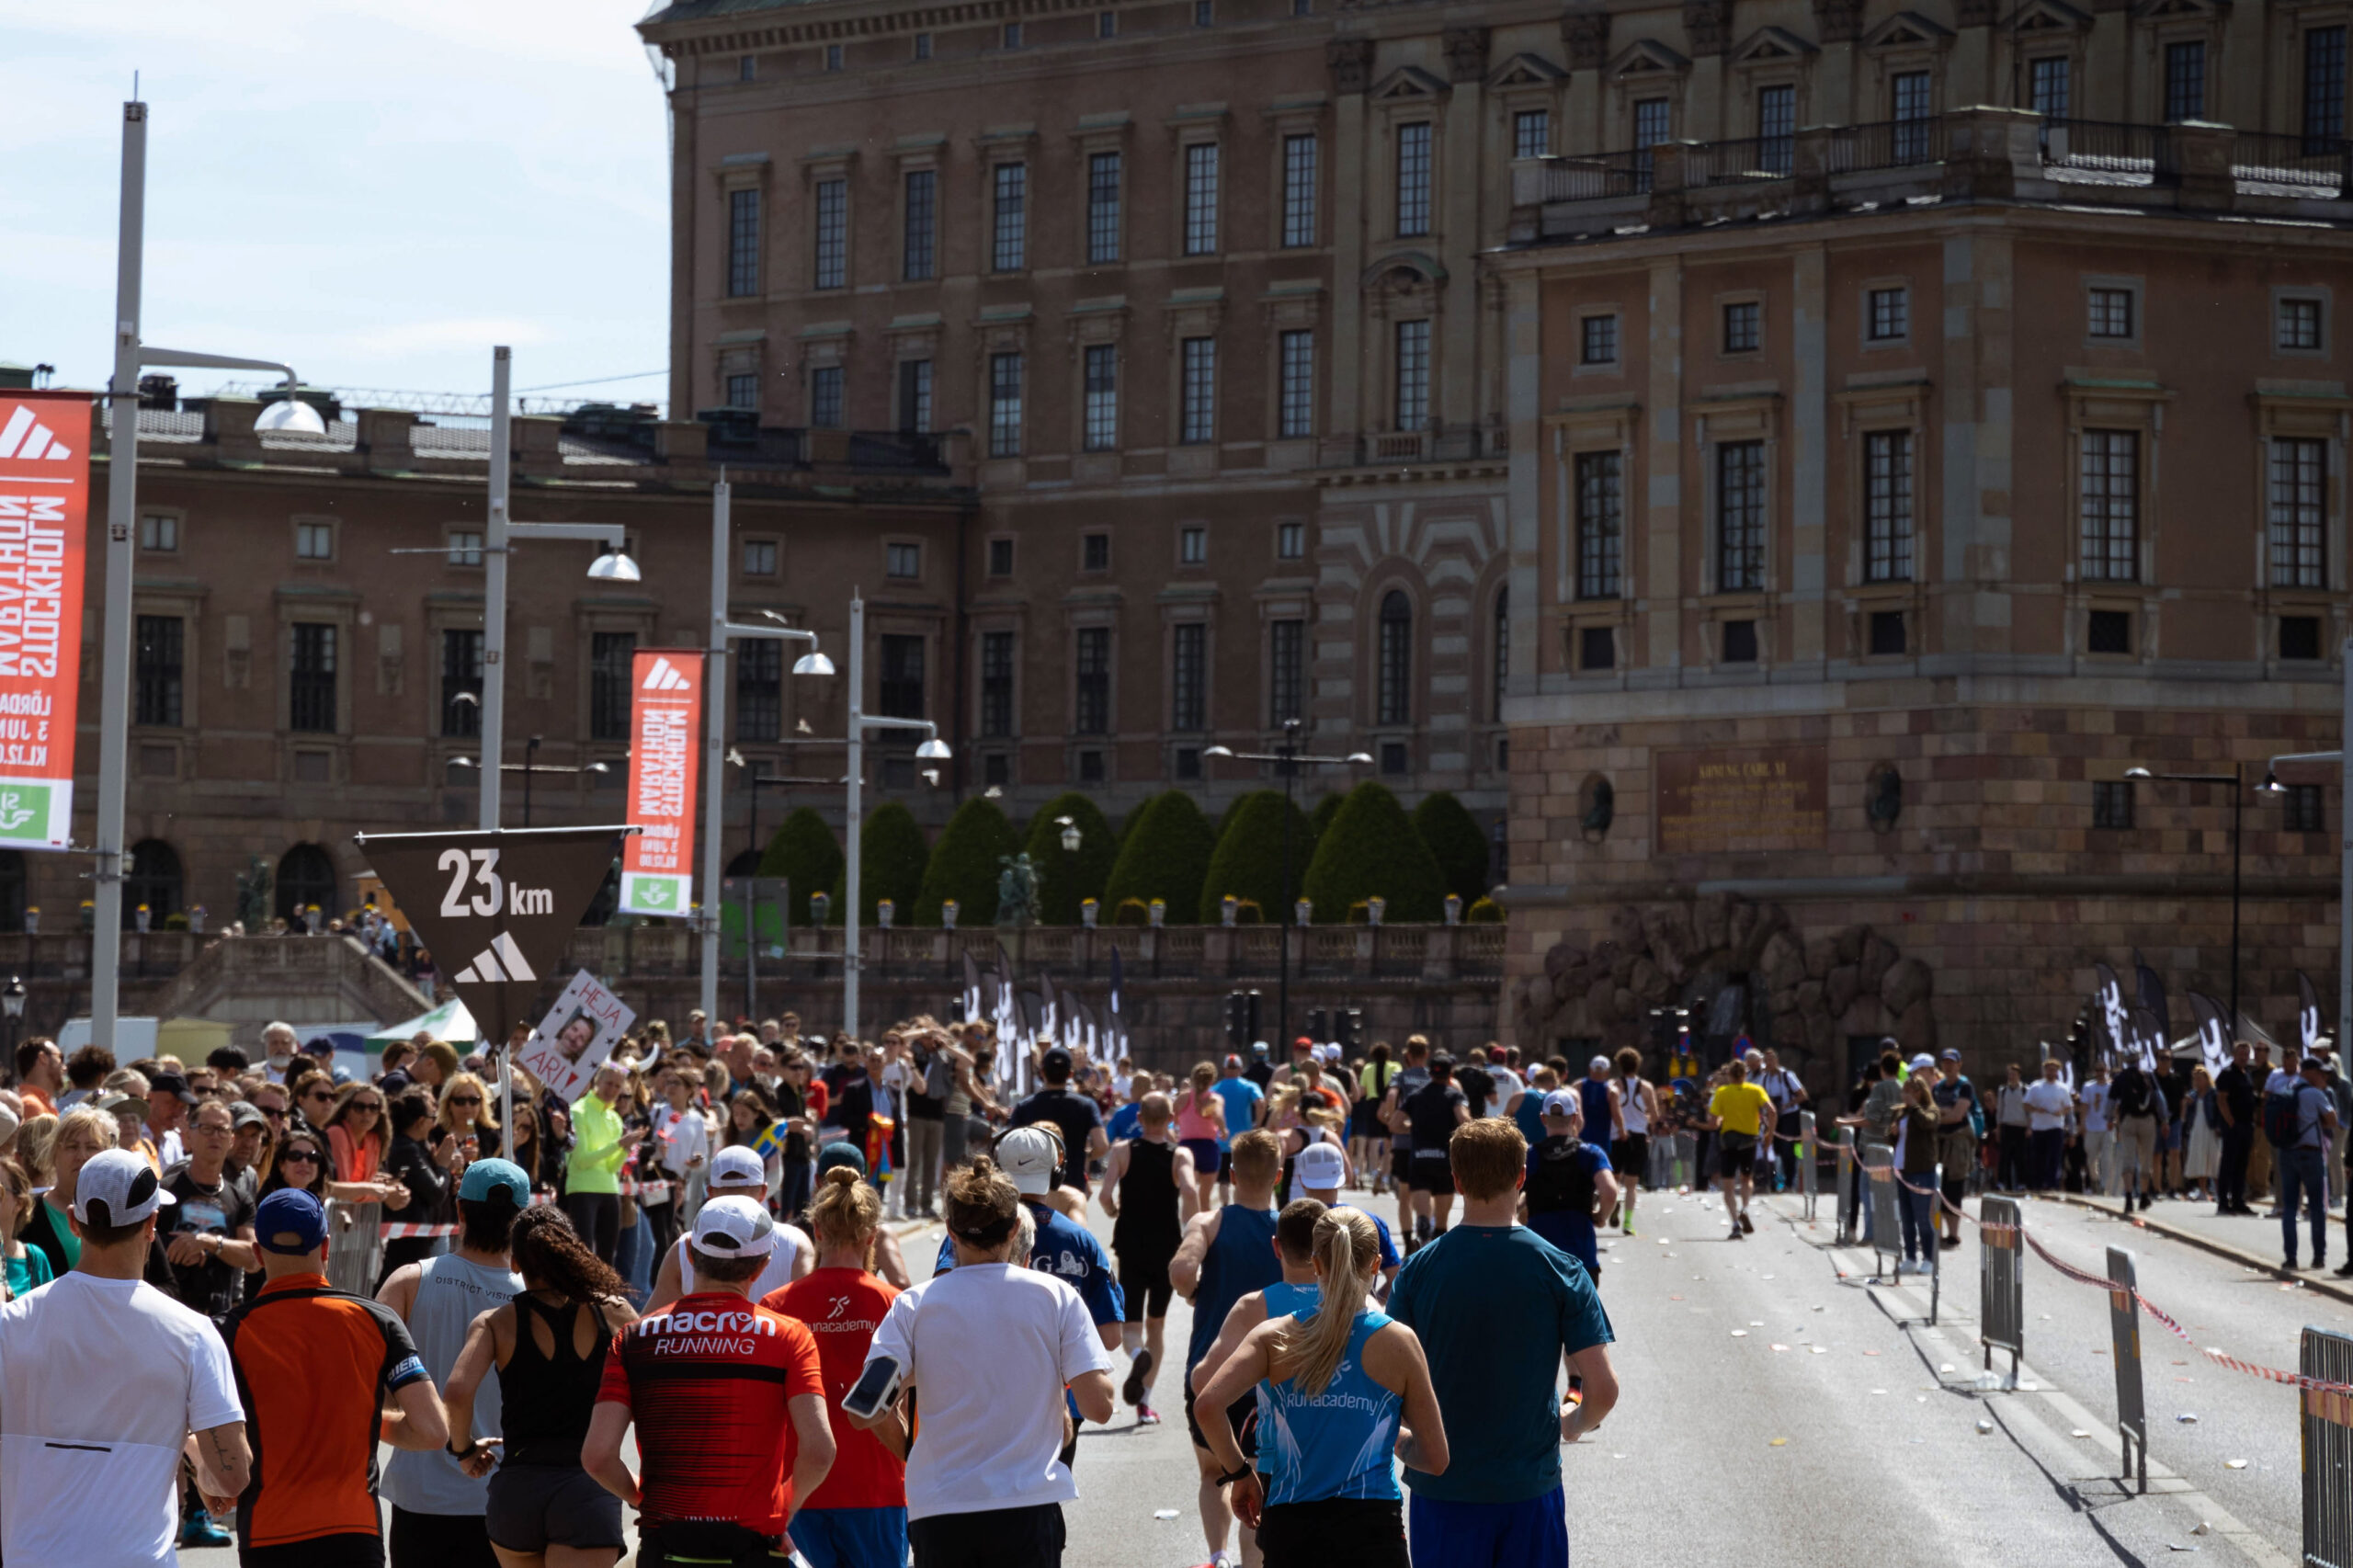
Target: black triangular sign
(495, 909)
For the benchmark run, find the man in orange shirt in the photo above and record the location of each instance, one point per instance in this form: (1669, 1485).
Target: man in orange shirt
(40, 1074)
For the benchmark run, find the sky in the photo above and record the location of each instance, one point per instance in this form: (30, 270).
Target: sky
(374, 192)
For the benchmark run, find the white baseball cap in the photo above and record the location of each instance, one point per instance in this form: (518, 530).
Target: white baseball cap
(1318, 1168)
(738, 1167)
(124, 1182)
(1563, 1102)
(734, 1227)
(1031, 1157)
(1923, 1062)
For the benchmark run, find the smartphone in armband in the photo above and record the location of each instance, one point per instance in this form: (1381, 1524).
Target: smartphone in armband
(875, 1389)
(1576, 1390)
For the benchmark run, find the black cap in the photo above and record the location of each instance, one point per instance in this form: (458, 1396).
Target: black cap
(1442, 1062)
(1055, 1059)
(170, 1084)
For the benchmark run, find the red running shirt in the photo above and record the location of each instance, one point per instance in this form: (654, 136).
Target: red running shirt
(842, 1307)
(709, 1383)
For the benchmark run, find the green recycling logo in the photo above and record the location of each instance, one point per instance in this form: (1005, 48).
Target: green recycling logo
(655, 892)
(23, 806)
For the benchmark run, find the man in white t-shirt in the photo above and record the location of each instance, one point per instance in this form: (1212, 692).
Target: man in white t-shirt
(2049, 1108)
(2099, 1175)
(105, 1383)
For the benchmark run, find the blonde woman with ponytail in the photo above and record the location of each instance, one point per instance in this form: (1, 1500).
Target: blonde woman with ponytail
(1345, 1387)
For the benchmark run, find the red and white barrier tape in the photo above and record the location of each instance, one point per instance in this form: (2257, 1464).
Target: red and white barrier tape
(402, 1230)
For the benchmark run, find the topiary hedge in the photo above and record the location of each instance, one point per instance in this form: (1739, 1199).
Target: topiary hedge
(1070, 880)
(1371, 850)
(1325, 810)
(1248, 860)
(805, 852)
(1455, 842)
(892, 859)
(1165, 855)
(964, 865)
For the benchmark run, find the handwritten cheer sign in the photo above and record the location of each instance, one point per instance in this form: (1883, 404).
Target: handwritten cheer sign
(575, 1037)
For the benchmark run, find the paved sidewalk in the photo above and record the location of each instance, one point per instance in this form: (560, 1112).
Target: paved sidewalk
(2250, 1242)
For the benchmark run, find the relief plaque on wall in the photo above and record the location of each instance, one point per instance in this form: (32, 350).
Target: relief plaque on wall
(1737, 800)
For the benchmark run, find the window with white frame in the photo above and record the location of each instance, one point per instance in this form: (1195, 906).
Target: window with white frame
(159, 533)
(1740, 517)
(744, 391)
(1193, 546)
(1777, 129)
(1200, 198)
(2109, 312)
(1597, 339)
(902, 560)
(1291, 541)
(465, 546)
(1413, 406)
(1413, 178)
(759, 558)
(1197, 391)
(833, 234)
(2299, 512)
(1298, 401)
(1887, 507)
(914, 396)
(1102, 208)
(1744, 327)
(1005, 406)
(1652, 120)
(1532, 133)
(1299, 189)
(1009, 240)
(2323, 87)
(2299, 324)
(1889, 314)
(2050, 86)
(1908, 94)
(314, 541)
(1102, 391)
(2110, 502)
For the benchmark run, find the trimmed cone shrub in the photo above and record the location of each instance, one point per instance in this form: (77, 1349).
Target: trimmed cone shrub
(1325, 810)
(964, 865)
(1248, 861)
(1070, 880)
(1487, 911)
(1455, 842)
(806, 854)
(891, 865)
(1371, 850)
(1165, 855)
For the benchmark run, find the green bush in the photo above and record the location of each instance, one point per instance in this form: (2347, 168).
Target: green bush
(1132, 912)
(1165, 855)
(964, 865)
(1068, 880)
(1325, 810)
(1487, 911)
(1455, 842)
(1371, 850)
(1248, 860)
(892, 857)
(807, 855)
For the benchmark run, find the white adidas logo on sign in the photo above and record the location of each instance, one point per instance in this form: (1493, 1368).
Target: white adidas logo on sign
(499, 961)
(26, 439)
(664, 677)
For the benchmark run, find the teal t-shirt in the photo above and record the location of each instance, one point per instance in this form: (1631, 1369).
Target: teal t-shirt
(1495, 1309)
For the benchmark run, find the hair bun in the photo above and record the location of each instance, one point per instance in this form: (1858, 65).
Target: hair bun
(842, 1175)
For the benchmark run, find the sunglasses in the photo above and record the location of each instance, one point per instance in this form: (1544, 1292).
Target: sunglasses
(298, 1157)
(366, 1105)
(465, 1099)
(319, 1094)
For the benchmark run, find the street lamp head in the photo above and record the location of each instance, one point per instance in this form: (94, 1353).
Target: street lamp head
(1218, 751)
(613, 567)
(1361, 758)
(597, 767)
(934, 750)
(1071, 837)
(464, 762)
(12, 1000)
(2138, 773)
(290, 415)
(812, 663)
(472, 698)
(2270, 785)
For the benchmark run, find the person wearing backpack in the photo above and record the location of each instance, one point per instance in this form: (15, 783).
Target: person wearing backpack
(1569, 1182)
(2136, 1107)
(2234, 1106)
(2299, 1121)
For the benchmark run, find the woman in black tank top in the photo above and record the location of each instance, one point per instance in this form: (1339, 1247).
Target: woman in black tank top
(549, 1345)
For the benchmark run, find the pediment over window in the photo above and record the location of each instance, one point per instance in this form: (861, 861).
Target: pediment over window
(2048, 18)
(1769, 46)
(1907, 29)
(1407, 81)
(1525, 70)
(2181, 10)
(1403, 270)
(1647, 57)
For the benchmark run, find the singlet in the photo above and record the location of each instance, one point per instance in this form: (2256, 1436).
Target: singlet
(776, 1276)
(450, 1293)
(1191, 1125)
(1594, 1093)
(1283, 1299)
(1408, 1081)
(1241, 1260)
(1335, 1444)
(1147, 1225)
(1629, 1105)
(1530, 1117)
(550, 1398)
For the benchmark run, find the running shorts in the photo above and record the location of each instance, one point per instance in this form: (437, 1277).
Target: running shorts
(1204, 1151)
(534, 1507)
(1401, 1161)
(440, 1540)
(1360, 1533)
(1143, 1277)
(1631, 1157)
(1433, 1172)
(1242, 1416)
(1533, 1533)
(354, 1551)
(1735, 1153)
(706, 1543)
(850, 1538)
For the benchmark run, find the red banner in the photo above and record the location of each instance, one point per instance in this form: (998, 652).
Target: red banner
(665, 729)
(44, 508)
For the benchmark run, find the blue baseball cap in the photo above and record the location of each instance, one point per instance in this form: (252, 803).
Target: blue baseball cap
(839, 1153)
(486, 1176)
(290, 1211)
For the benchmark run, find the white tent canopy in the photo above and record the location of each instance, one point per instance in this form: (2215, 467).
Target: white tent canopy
(449, 1021)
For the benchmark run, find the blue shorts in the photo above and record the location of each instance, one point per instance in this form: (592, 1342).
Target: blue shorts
(1532, 1534)
(851, 1537)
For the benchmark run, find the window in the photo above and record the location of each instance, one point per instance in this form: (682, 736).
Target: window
(1299, 190)
(833, 234)
(825, 397)
(744, 391)
(1298, 410)
(1291, 541)
(1650, 124)
(1106, 24)
(460, 683)
(914, 396)
(1188, 677)
(1012, 35)
(2300, 637)
(923, 46)
(1532, 133)
(1887, 631)
(1413, 178)
(743, 243)
(311, 678)
(833, 57)
(1887, 507)
(1776, 127)
(2048, 85)
(159, 533)
(2110, 631)
(1090, 768)
(1909, 96)
(1596, 648)
(1204, 13)
(747, 68)
(1392, 757)
(1413, 404)
(1597, 340)
(1744, 327)
(902, 560)
(2303, 809)
(314, 541)
(1009, 249)
(1395, 694)
(610, 653)
(1102, 208)
(1200, 198)
(1192, 547)
(2299, 326)
(1503, 648)
(899, 693)
(1740, 643)
(2111, 312)
(1302, 8)
(2299, 513)
(1889, 314)
(2185, 81)
(919, 249)
(2323, 87)
(759, 689)
(154, 880)
(1286, 670)
(1740, 517)
(1005, 406)
(2113, 803)
(1102, 431)
(160, 670)
(465, 546)
(997, 681)
(1199, 391)
(759, 558)
(1094, 552)
(1601, 524)
(1091, 712)
(1000, 558)
(2111, 506)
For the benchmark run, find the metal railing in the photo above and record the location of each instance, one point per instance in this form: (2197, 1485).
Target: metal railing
(2130, 154)
(1754, 160)
(1595, 176)
(2319, 165)
(2327, 1422)
(1884, 145)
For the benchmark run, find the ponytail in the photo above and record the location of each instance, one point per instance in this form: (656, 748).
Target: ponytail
(1347, 1249)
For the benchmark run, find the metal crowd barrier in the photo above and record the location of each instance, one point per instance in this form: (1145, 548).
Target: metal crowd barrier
(354, 1245)
(2001, 1283)
(1808, 1179)
(2124, 1342)
(1846, 1218)
(2328, 1420)
(1886, 1228)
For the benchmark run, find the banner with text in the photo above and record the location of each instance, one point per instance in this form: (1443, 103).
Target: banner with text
(44, 501)
(576, 1038)
(666, 730)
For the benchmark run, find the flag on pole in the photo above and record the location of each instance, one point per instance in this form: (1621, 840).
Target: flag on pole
(2111, 995)
(1049, 1014)
(1073, 1022)
(971, 987)
(2308, 1012)
(2214, 1034)
(2152, 997)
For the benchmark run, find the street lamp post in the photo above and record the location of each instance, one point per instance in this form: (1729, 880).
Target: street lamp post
(2236, 780)
(932, 749)
(12, 1003)
(530, 755)
(1288, 760)
(2272, 786)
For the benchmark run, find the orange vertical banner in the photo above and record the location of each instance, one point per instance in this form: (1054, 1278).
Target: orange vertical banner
(44, 512)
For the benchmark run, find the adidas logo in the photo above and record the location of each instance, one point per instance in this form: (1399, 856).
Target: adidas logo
(26, 439)
(499, 961)
(663, 676)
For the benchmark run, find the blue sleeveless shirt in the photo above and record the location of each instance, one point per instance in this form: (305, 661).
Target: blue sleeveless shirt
(1339, 1443)
(1241, 1260)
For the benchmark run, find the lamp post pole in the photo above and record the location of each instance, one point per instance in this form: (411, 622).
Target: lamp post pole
(2272, 786)
(530, 756)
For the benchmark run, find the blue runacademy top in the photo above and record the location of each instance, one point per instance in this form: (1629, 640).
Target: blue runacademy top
(1241, 1260)
(1530, 1117)
(1283, 1300)
(1337, 1443)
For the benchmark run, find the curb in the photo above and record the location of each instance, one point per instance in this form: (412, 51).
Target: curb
(2335, 1288)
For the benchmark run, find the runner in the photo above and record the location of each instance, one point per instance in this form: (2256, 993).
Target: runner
(1340, 1379)
(1630, 1154)
(1317, 1174)
(1226, 1254)
(1146, 1187)
(1202, 1129)
(1570, 1183)
(729, 1402)
(1295, 1291)
(1077, 1118)
(1604, 1124)
(312, 1360)
(1245, 1107)
(736, 1172)
(1408, 1082)
(1432, 1113)
(1739, 1113)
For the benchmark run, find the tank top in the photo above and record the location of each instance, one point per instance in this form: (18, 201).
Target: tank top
(1335, 1444)
(1530, 1117)
(450, 1293)
(1147, 1225)
(1596, 1096)
(1192, 1122)
(1282, 1298)
(551, 1397)
(1410, 1080)
(776, 1276)
(1630, 1105)
(1241, 1260)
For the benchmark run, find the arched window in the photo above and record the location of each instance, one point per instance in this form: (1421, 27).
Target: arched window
(1502, 647)
(305, 877)
(12, 891)
(154, 880)
(1396, 692)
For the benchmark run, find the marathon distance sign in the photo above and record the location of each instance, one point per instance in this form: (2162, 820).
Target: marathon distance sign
(44, 510)
(495, 909)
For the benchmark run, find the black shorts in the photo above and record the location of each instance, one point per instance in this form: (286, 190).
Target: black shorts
(1401, 1162)
(534, 1507)
(353, 1551)
(1225, 1165)
(1735, 1153)
(440, 1540)
(1360, 1533)
(1433, 1172)
(1631, 1158)
(1242, 1416)
(1143, 1278)
(999, 1538)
